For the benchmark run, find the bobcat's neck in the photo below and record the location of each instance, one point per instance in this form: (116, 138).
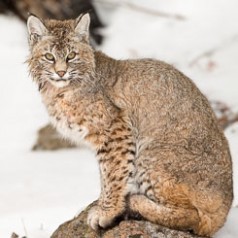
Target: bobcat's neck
(106, 69)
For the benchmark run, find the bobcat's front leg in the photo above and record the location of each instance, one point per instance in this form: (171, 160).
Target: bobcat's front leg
(116, 159)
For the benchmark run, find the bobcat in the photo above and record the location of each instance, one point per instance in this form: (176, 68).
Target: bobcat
(160, 150)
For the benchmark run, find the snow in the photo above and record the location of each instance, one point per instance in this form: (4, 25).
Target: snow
(41, 190)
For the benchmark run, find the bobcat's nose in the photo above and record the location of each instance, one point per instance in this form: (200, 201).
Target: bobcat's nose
(61, 73)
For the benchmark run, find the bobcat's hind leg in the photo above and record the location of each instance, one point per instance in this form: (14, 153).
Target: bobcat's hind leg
(165, 215)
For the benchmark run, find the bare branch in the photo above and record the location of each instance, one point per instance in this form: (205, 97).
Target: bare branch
(211, 52)
(24, 227)
(154, 12)
(138, 8)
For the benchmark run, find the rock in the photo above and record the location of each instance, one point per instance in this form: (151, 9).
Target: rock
(14, 235)
(225, 115)
(78, 228)
(49, 139)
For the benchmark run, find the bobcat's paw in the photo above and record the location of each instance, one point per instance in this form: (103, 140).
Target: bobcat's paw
(100, 218)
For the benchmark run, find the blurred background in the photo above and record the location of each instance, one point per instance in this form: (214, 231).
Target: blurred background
(42, 184)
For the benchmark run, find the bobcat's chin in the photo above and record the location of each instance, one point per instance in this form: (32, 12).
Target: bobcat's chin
(59, 83)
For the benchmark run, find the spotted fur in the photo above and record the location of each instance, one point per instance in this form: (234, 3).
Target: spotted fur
(160, 150)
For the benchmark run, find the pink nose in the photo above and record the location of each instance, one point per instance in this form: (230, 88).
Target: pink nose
(61, 73)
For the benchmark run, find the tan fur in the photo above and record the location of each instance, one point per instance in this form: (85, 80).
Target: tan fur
(160, 150)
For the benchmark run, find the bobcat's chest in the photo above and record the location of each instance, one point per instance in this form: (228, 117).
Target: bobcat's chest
(69, 129)
(66, 113)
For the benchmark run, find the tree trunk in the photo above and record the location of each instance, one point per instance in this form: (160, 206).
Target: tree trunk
(63, 9)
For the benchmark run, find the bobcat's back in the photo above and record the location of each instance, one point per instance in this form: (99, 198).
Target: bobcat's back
(166, 111)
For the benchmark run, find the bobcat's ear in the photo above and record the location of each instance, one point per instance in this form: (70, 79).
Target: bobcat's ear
(82, 26)
(36, 28)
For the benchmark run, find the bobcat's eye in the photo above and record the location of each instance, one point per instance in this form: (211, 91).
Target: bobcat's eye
(49, 57)
(71, 56)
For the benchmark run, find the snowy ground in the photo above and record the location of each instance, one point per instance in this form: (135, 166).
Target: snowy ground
(40, 190)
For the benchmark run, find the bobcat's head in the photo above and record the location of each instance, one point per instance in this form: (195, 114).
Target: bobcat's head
(60, 51)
